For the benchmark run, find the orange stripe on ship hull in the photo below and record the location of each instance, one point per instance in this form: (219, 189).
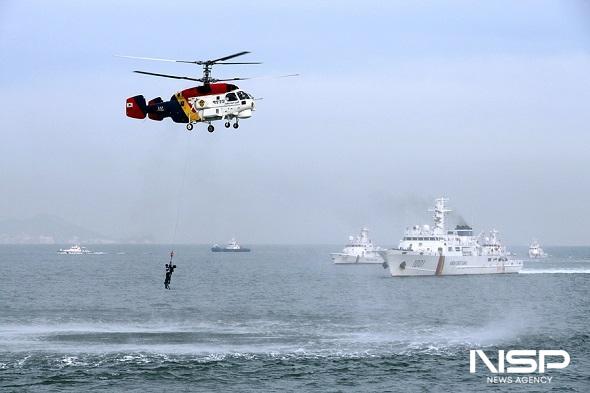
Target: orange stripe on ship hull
(440, 265)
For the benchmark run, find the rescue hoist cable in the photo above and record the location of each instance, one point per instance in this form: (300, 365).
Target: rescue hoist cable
(178, 198)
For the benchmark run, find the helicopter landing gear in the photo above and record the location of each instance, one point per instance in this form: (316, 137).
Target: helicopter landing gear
(227, 124)
(236, 125)
(189, 126)
(210, 128)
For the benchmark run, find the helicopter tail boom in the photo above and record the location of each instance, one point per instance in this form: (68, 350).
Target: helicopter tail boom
(152, 109)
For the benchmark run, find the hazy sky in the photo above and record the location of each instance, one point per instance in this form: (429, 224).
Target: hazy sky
(485, 102)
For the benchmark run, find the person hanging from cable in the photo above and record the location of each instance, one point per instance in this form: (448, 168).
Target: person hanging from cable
(167, 279)
(169, 270)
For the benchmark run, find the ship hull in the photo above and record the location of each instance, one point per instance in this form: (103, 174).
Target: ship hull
(215, 249)
(347, 259)
(410, 264)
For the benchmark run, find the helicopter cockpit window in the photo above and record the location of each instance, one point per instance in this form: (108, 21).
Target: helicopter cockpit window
(242, 95)
(231, 97)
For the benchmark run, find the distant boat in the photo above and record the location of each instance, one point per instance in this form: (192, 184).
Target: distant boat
(232, 246)
(74, 250)
(535, 250)
(358, 250)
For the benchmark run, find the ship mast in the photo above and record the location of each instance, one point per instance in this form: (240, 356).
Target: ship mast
(439, 215)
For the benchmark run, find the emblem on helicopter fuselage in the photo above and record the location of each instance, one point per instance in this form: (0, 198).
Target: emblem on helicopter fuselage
(202, 103)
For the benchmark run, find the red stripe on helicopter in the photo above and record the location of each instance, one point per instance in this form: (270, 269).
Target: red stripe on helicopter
(213, 88)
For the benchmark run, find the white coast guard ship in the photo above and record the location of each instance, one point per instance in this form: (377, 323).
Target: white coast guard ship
(434, 251)
(360, 249)
(74, 250)
(231, 246)
(535, 250)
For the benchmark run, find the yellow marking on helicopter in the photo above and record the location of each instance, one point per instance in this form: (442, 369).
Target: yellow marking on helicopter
(190, 113)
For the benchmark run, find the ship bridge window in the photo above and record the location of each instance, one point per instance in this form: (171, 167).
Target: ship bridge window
(231, 97)
(457, 249)
(450, 248)
(242, 95)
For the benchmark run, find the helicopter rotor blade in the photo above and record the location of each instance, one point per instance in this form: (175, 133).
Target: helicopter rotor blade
(254, 77)
(228, 57)
(161, 59)
(168, 76)
(199, 62)
(231, 79)
(245, 62)
(150, 58)
(273, 76)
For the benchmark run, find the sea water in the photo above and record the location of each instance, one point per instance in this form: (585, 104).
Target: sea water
(280, 318)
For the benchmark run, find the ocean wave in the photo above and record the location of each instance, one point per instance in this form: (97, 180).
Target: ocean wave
(148, 359)
(217, 347)
(555, 271)
(214, 340)
(115, 358)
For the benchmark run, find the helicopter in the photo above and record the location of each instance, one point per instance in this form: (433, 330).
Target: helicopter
(214, 100)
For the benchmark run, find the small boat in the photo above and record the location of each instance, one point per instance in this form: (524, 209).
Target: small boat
(74, 250)
(232, 246)
(535, 250)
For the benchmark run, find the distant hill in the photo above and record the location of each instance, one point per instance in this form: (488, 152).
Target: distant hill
(47, 229)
